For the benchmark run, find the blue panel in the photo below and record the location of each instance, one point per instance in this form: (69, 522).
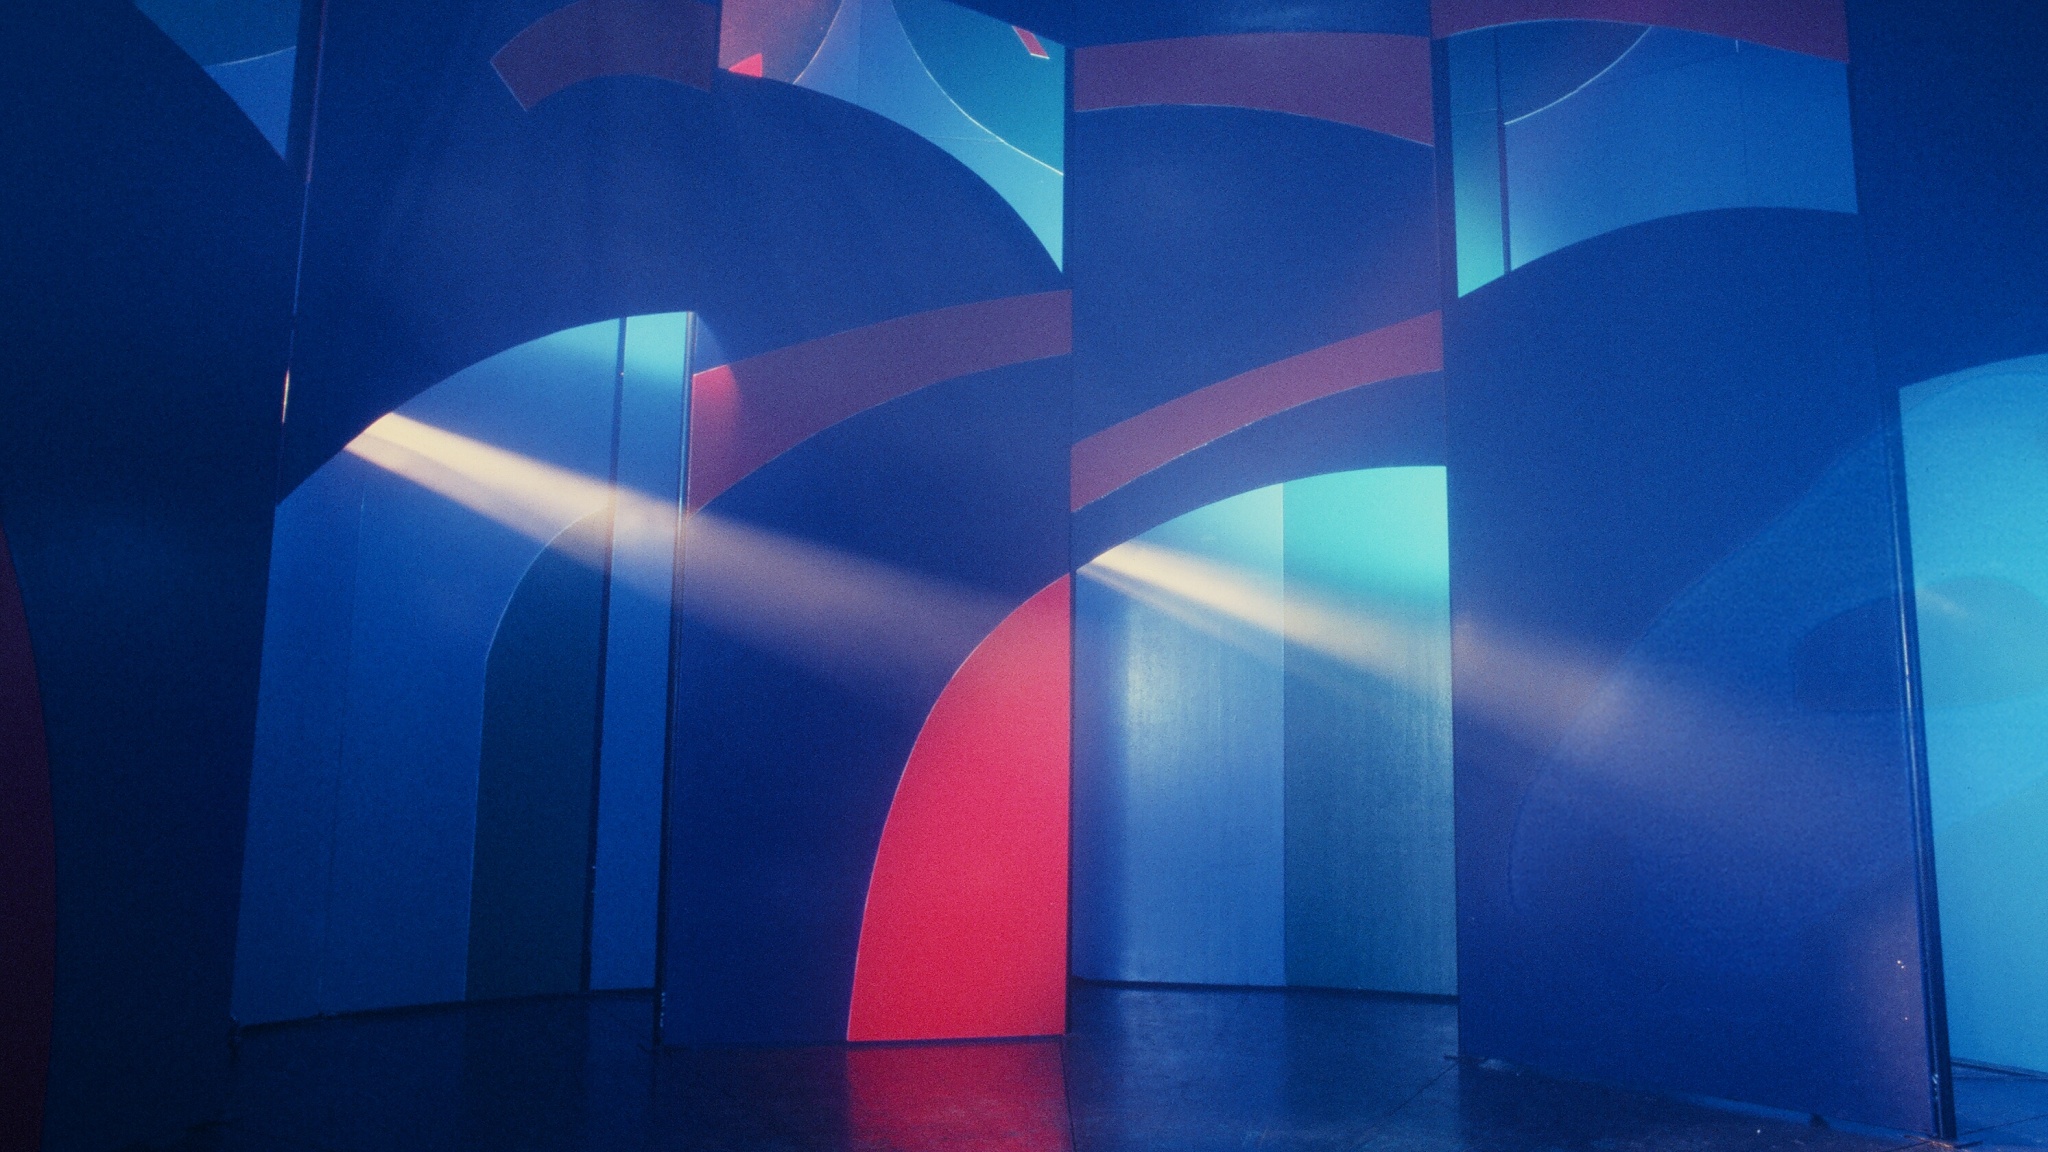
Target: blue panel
(869, 60)
(1394, 422)
(147, 237)
(432, 577)
(1116, 23)
(1178, 744)
(1687, 835)
(1676, 122)
(261, 87)
(636, 681)
(828, 598)
(1977, 476)
(1370, 885)
(1210, 241)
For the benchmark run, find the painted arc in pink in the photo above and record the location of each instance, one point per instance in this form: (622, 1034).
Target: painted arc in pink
(1815, 27)
(666, 39)
(965, 931)
(744, 414)
(1031, 42)
(1365, 79)
(1121, 453)
(28, 878)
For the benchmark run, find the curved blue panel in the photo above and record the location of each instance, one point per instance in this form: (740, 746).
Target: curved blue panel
(261, 87)
(1687, 839)
(1977, 483)
(1392, 423)
(988, 69)
(218, 31)
(1210, 241)
(828, 599)
(778, 214)
(1671, 122)
(1121, 23)
(868, 59)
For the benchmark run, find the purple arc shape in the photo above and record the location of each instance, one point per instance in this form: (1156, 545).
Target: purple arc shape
(1368, 80)
(1121, 453)
(744, 414)
(667, 39)
(28, 878)
(1814, 27)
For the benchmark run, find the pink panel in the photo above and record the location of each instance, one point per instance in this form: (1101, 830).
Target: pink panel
(666, 39)
(1365, 79)
(1123, 452)
(1815, 27)
(984, 1097)
(745, 414)
(28, 879)
(965, 933)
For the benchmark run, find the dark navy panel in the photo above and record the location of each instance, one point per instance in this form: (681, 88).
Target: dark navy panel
(530, 888)
(1952, 170)
(146, 237)
(1205, 242)
(1392, 423)
(447, 223)
(1097, 23)
(1179, 853)
(828, 598)
(1687, 835)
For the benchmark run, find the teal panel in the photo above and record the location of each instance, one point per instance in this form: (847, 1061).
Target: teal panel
(1476, 186)
(983, 65)
(1178, 745)
(530, 892)
(1977, 487)
(1370, 876)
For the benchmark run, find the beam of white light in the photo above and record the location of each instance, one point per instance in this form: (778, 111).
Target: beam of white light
(864, 624)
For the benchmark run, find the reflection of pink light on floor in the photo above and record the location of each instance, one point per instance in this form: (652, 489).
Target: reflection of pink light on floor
(751, 66)
(987, 1097)
(1031, 43)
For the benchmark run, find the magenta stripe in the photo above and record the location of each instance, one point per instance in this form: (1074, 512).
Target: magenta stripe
(1366, 79)
(28, 879)
(1117, 455)
(666, 39)
(745, 414)
(1815, 27)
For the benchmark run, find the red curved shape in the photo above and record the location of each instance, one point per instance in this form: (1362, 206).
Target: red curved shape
(745, 414)
(28, 879)
(666, 39)
(1815, 27)
(965, 933)
(1121, 453)
(1365, 79)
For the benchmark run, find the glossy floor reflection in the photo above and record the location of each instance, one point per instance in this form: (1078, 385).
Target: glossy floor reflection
(1143, 1068)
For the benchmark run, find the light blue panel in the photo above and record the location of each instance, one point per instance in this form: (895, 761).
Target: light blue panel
(867, 59)
(1178, 802)
(637, 653)
(383, 603)
(261, 87)
(1681, 122)
(1371, 900)
(1977, 487)
(299, 714)
(1475, 159)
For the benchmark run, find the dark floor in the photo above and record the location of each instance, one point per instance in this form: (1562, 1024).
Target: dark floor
(1171, 1069)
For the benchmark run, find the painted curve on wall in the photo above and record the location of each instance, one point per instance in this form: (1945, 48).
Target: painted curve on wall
(1814, 27)
(965, 931)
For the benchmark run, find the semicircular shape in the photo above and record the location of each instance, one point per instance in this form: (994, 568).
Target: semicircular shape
(965, 929)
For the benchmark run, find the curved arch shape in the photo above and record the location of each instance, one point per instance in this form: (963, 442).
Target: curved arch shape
(28, 877)
(1368, 80)
(674, 40)
(965, 930)
(1814, 27)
